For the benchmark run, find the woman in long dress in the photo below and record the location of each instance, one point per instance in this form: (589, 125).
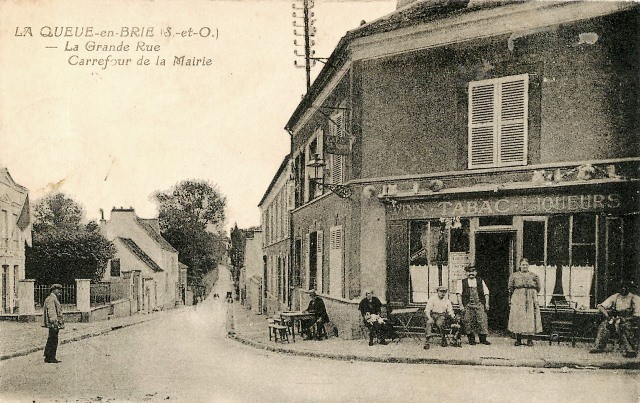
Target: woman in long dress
(524, 312)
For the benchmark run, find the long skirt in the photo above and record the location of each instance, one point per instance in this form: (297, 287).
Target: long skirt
(524, 314)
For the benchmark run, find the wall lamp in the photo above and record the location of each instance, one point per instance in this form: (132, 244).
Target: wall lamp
(317, 163)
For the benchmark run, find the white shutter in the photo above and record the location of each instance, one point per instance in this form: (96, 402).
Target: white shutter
(337, 169)
(482, 124)
(335, 261)
(307, 262)
(319, 260)
(498, 110)
(513, 120)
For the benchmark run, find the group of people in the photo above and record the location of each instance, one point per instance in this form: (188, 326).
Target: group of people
(621, 313)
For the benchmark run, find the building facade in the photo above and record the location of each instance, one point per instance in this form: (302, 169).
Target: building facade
(251, 284)
(145, 262)
(275, 213)
(15, 230)
(451, 133)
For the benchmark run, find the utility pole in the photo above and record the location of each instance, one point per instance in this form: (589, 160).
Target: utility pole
(308, 31)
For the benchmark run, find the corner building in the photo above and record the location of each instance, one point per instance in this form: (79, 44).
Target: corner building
(451, 133)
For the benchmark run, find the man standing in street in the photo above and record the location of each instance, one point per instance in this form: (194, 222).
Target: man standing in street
(53, 321)
(473, 297)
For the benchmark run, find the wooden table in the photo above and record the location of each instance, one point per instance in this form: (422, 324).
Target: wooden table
(291, 318)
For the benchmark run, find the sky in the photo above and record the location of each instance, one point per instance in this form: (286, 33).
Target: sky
(110, 135)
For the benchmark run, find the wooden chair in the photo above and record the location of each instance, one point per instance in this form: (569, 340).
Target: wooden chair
(562, 324)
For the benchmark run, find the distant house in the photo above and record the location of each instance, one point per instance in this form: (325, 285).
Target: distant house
(15, 230)
(251, 273)
(145, 262)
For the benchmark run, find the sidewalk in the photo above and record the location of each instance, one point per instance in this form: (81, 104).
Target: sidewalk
(251, 329)
(18, 338)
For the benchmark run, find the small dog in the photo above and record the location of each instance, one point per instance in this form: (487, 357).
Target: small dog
(455, 333)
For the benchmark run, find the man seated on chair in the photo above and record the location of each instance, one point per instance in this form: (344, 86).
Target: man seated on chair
(370, 309)
(316, 306)
(621, 317)
(439, 313)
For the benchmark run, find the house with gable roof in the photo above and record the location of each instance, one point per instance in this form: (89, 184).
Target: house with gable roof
(145, 262)
(15, 230)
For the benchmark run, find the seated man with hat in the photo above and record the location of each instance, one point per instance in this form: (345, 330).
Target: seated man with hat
(621, 317)
(438, 312)
(316, 306)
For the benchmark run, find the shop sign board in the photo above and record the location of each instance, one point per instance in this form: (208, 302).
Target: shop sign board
(513, 205)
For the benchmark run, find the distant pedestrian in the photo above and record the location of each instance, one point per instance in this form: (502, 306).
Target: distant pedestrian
(473, 297)
(54, 322)
(524, 311)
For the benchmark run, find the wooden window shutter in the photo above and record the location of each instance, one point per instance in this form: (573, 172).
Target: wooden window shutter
(336, 276)
(319, 260)
(482, 124)
(513, 120)
(307, 256)
(498, 111)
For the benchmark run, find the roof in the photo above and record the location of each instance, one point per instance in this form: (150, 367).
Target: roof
(135, 249)
(151, 230)
(415, 13)
(282, 167)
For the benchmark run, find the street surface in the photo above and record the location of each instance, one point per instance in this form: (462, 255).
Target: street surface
(186, 357)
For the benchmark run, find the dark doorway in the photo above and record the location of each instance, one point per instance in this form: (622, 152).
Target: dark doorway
(493, 261)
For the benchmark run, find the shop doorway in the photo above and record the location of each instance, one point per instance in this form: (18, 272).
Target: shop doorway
(494, 258)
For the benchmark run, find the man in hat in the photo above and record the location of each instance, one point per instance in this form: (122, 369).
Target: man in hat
(316, 306)
(473, 297)
(438, 312)
(52, 320)
(370, 308)
(621, 315)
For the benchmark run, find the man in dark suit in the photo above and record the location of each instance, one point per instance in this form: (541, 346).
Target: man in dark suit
(52, 320)
(370, 309)
(316, 306)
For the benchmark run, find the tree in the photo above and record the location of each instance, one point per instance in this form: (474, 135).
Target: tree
(65, 249)
(187, 212)
(238, 241)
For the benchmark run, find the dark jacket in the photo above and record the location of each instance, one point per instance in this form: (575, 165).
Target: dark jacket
(316, 305)
(466, 296)
(373, 307)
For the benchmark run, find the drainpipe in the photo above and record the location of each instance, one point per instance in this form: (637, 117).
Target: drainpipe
(291, 226)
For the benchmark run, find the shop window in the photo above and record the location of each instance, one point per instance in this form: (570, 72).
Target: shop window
(498, 110)
(568, 272)
(439, 252)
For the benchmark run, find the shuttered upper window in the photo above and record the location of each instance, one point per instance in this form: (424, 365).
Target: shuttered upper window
(337, 160)
(498, 110)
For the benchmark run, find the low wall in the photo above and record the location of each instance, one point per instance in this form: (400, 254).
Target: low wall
(121, 308)
(100, 313)
(343, 314)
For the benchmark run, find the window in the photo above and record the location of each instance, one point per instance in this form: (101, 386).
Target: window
(115, 268)
(563, 252)
(498, 110)
(439, 252)
(315, 174)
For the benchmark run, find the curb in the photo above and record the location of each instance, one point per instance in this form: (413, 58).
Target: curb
(72, 339)
(492, 362)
